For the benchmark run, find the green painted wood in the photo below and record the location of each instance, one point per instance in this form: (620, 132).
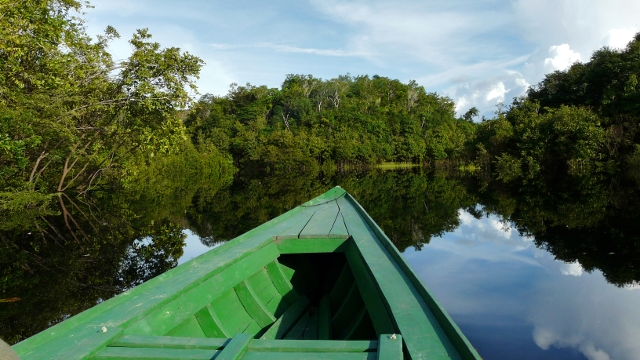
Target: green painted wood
(390, 347)
(422, 332)
(259, 281)
(231, 313)
(131, 306)
(364, 330)
(167, 317)
(275, 305)
(255, 308)
(453, 333)
(156, 354)
(293, 232)
(297, 331)
(266, 292)
(281, 283)
(303, 246)
(287, 320)
(235, 348)
(278, 305)
(311, 332)
(252, 329)
(260, 355)
(286, 271)
(317, 346)
(210, 323)
(345, 314)
(86, 342)
(284, 287)
(331, 195)
(356, 320)
(324, 319)
(188, 328)
(371, 295)
(341, 288)
(168, 342)
(339, 228)
(167, 301)
(320, 224)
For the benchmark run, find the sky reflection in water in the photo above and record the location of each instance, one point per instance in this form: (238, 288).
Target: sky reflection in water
(514, 300)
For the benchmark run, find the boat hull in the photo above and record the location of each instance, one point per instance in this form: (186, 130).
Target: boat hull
(320, 281)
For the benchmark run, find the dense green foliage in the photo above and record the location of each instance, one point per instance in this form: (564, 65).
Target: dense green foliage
(71, 118)
(347, 120)
(87, 145)
(580, 120)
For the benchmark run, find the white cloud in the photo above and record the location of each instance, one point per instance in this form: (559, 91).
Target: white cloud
(421, 29)
(633, 286)
(572, 269)
(585, 25)
(484, 236)
(215, 77)
(465, 217)
(500, 228)
(496, 93)
(584, 312)
(545, 338)
(562, 58)
(485, 94)
(588, 314)
(619, 38)
(292, 49)
(478, 53)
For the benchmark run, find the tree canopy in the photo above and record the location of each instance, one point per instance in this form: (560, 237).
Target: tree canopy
(341, 121)
(72, 118)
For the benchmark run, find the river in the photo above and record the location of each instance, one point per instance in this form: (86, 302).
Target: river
(541, 270)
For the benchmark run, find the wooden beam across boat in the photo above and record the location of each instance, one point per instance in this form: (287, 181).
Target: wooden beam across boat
(321, 281)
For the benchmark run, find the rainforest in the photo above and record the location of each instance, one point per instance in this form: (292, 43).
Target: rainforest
(105, 163)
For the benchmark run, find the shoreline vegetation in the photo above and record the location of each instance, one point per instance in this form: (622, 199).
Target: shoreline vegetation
(74, 121)
(395, 165)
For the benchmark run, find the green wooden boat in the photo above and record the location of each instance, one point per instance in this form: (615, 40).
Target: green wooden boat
(321, 281)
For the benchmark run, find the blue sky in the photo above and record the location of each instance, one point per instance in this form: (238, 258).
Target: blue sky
(477, 52)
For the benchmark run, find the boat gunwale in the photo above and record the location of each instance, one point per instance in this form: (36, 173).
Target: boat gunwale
(457, 338)
(87, 315)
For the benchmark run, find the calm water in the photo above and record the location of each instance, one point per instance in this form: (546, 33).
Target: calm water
(542, 295)
(515, 301)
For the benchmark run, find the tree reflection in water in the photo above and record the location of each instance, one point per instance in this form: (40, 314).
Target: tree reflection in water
(100, 246)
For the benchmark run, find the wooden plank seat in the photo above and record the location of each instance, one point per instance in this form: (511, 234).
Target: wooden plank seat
(243, 346)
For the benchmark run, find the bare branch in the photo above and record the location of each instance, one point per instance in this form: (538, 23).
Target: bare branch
(35, 167)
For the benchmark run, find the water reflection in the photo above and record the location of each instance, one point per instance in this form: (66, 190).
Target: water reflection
(537, 270)
(514, 300)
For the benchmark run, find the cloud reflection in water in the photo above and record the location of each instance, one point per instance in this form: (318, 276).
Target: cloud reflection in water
(513, 300)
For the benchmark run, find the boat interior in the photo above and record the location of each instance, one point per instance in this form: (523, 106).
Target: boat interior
(298, 305)
(319, 282)
(295, 297)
